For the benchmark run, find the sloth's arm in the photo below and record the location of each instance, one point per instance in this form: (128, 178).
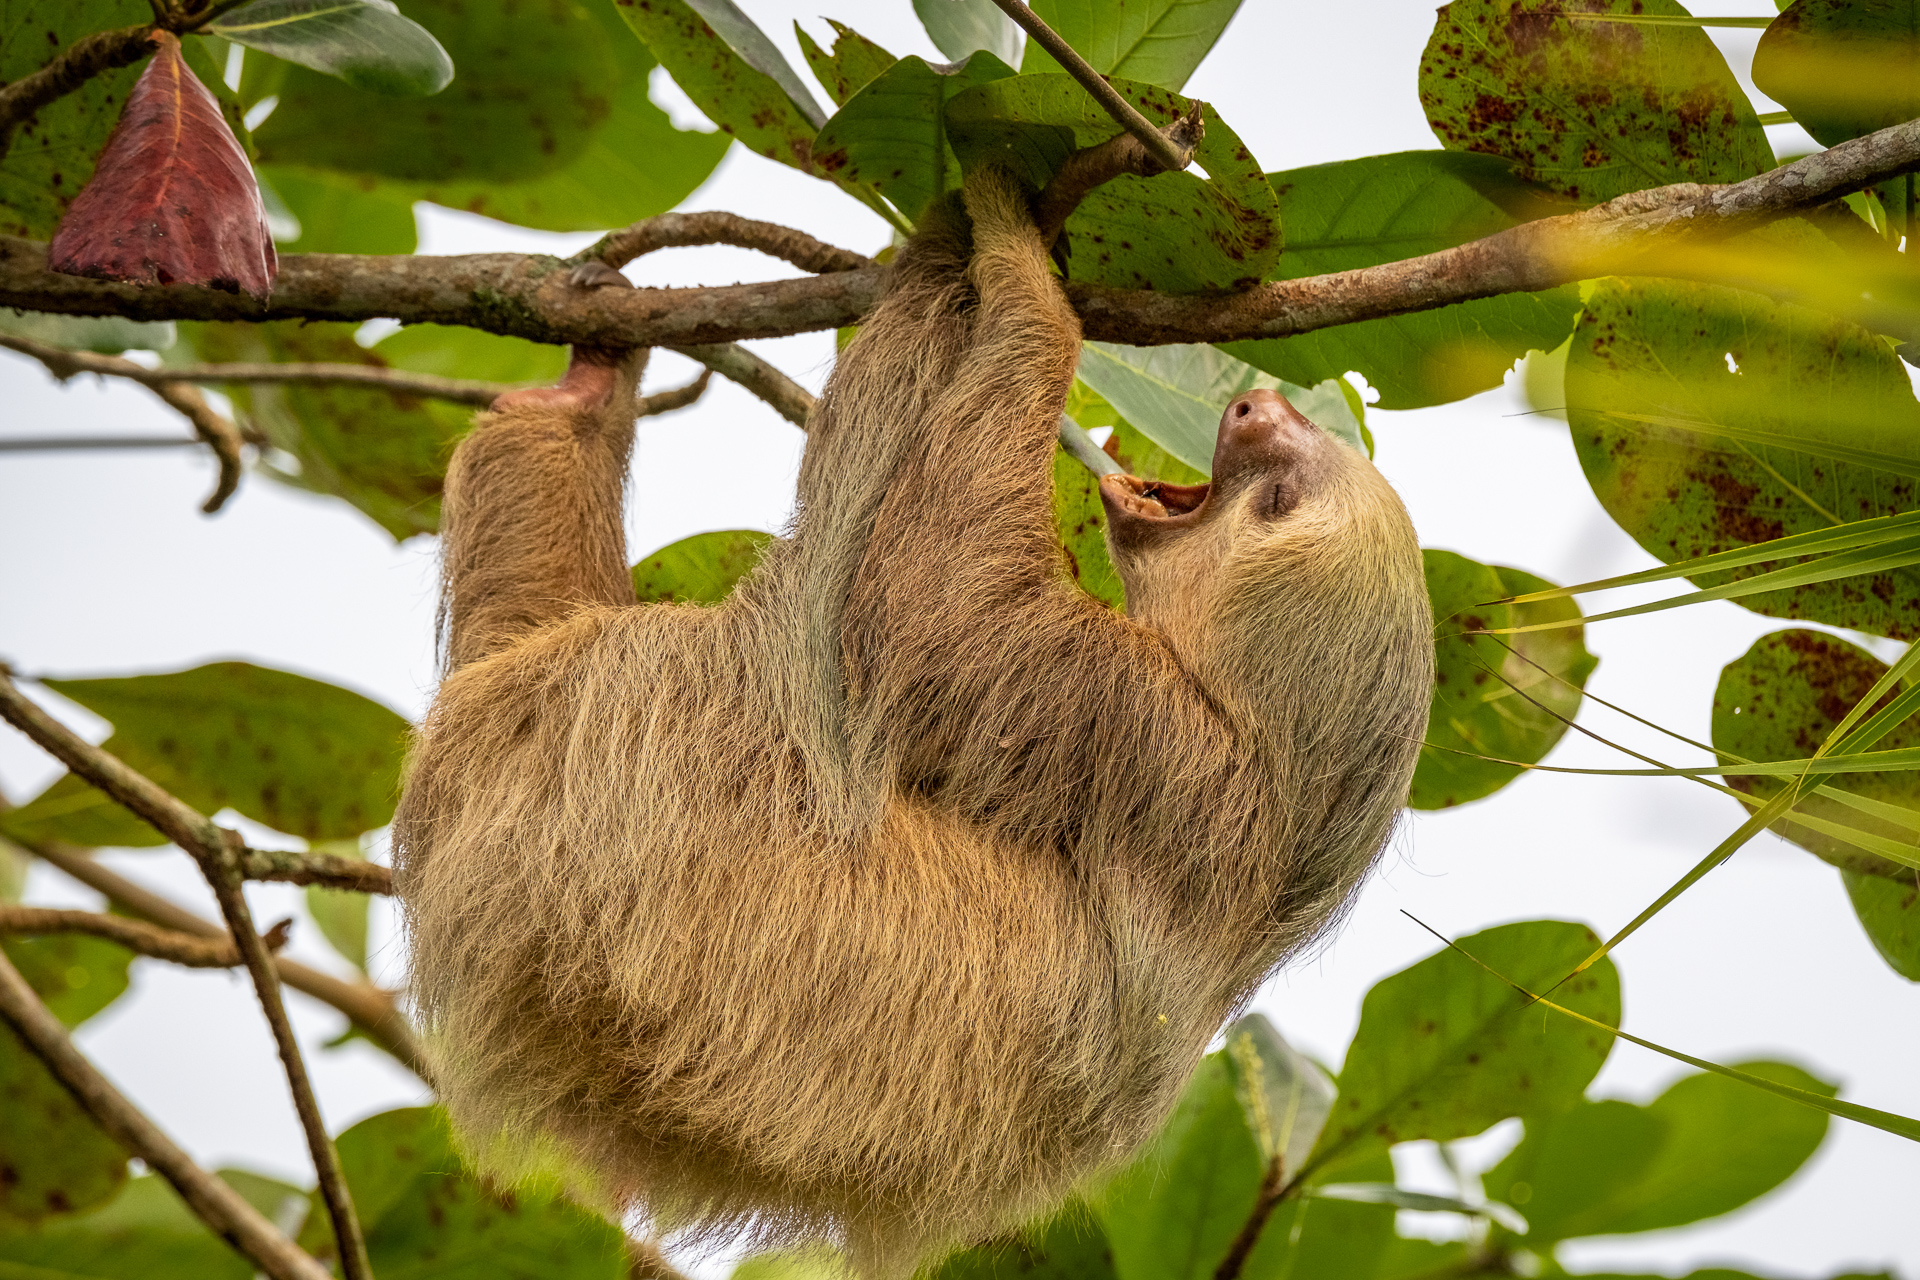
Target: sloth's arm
(531, 521)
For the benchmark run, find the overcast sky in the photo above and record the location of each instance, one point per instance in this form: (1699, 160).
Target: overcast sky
(109, 568)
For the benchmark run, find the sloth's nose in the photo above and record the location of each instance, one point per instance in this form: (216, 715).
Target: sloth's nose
(1260, 429)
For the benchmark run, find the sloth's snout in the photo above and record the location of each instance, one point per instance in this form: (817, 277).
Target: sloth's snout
(1259, 431)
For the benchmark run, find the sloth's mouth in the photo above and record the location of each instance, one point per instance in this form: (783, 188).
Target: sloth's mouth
(1152, 499)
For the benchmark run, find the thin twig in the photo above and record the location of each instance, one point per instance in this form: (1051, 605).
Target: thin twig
(220, 854)
(530, 296)
(368, 1007)
(64, 364)
(734, 362)
(52, 444)
(1272, 1190)
(684, 230)
(78, 63)
(676, 397)
(1123, 112)
(214, 430)
(135, 935)
(213, 1201)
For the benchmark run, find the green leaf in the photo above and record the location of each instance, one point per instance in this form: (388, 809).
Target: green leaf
(341, 213)
(1176, 394)
(109, 335)
(759, 109)
(962, 27)
(1649, 356)
(307, 758)
(1128, 446)
(891, 135)
(1176, 232)
(75, 975)
(54, 1160)
(1068, 1246)
(450, 351)
(1156, 41)
(144, 1233)
(1889, 911)
(341, 914)
(1171, 1214)
(701, 569)
(364, 42)
(428, 1217)
(1446, 1049)
(1518, 79)
(384, 452)
(1485, 691)
(547, 125)
(1080, 522)
(1705, 1147)
(855, 60)
(1361, 213)
(1284, 1097)
(800, 1262)
(1843, 67)
(72, 810)
(52, 155)
(1790, 688)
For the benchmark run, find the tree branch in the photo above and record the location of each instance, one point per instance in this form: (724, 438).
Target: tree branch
(78, 63)
(529, 297)
(682, 230)
(1156, 144)
(737, 364)
(1092, 166)
(369, 1007)
(216, 1204)
(1272, 1189)
(135, 935)
(220, 854)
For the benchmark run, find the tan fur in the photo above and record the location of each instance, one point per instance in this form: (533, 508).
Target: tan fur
(900, 893)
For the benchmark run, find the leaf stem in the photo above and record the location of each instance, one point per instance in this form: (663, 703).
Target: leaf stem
(1123, 112)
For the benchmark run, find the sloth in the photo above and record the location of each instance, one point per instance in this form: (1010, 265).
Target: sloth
(896, 897)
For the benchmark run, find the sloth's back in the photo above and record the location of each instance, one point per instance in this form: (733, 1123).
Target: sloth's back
(633, 927)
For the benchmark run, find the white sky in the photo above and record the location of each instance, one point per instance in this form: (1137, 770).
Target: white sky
(108, 568)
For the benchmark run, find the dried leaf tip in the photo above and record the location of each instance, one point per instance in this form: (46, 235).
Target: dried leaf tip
(173, 199)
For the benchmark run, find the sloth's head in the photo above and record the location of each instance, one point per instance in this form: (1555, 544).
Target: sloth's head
(1295, 537)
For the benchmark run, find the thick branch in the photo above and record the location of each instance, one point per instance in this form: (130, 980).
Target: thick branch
(78, 63)
(217, 1204)
(369, 1007)
(135, 935)
(220, 854)
(529, 296)
(682, 230)
(1122, 111)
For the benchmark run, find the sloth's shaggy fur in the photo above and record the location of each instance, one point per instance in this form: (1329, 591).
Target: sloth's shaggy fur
(901, 892)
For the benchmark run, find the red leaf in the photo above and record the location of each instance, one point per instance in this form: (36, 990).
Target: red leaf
(173, 199)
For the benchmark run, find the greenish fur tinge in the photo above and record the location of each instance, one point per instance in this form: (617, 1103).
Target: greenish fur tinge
(898, 895)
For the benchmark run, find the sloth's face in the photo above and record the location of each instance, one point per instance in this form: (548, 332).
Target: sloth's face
(1267, 460)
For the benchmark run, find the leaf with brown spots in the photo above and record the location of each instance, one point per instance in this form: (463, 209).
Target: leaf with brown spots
(547, 122)
(54, 1160)
(426, 1214)
(853, 62)
(1080, 523)
(53, 154)
(1479, 683)
(1778, 701)
(701, 569)
(1361, 213)
(307, 758)
(173, 198)
(1589, 109)
(1446, 1049)
(1889, 911)
(891, 136)
(1175, 232)
(145, 1232)
(1708, 419)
